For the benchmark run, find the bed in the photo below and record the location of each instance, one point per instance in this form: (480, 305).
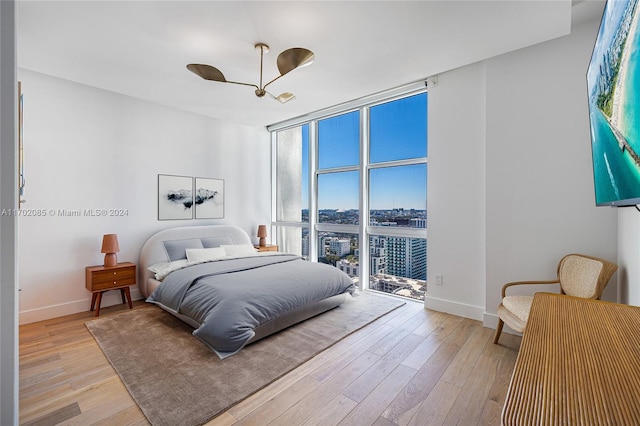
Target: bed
(213, 279)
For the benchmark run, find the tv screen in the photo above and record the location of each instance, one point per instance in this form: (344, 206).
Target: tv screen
(613, 81)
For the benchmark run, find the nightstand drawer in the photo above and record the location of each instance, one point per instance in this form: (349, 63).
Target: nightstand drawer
(115, 275)
(115, 282)
(100, 278)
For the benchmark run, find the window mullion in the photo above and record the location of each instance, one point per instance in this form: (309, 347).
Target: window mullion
(313, 190)
(364, 199)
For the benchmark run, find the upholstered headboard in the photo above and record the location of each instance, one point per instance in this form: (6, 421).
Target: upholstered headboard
(153, 251)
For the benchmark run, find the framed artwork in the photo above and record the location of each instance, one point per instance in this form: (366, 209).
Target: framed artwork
(209, 198)
(175, 197)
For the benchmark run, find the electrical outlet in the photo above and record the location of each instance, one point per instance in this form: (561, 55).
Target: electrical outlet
(438, 279)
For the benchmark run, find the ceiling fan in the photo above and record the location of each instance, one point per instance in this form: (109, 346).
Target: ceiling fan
(287, 61)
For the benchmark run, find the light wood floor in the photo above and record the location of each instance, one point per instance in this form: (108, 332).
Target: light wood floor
(411, 367)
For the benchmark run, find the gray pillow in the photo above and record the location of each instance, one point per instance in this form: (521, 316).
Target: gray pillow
(210, 242)
(177, 249)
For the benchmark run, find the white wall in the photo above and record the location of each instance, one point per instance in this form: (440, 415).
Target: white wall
(629, 256)
(533, 187)
(540, 199)
(87, 148)
(456, 192)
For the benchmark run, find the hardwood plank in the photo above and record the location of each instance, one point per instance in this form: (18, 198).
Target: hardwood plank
(320, 398)
(421, 354)
(433, 321)
(61, 367)
(275, 407)
(404, 406)
(435, 408)
(106, 402)
(224, 419)
(491, 414)
(506, 365)
(468, 407)
(131, 416)
(462, 332)
(370, 408)
(465, 360)
(383, 421)
(365, 384)
(43, 382)
(336, 410)
(40, 361)
(327, 370)
(57, 416)
(31, 404)
(399, 333)
(369, 333)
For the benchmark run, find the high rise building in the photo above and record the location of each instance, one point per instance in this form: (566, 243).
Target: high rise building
(305, 246)
(418, 223)
(340, 246)
(350, 268)
(406, 257)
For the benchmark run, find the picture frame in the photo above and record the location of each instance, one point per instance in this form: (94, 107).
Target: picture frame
(175, 197)
(209, 198)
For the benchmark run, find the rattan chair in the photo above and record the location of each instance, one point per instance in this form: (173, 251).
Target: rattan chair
(578, 275)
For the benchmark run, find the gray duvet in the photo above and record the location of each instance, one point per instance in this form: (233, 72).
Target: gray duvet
(225, 300)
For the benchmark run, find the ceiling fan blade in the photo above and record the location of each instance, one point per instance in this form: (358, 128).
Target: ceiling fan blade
(293, 58)
(207, 72)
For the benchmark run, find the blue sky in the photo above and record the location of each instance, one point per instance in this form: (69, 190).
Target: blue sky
(398, 130)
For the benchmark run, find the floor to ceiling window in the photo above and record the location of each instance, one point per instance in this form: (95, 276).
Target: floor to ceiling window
(351, 191)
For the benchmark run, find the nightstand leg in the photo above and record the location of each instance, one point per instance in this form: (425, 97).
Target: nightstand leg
(93, 301)
(126, 290)
(122, 295)
(98, 301)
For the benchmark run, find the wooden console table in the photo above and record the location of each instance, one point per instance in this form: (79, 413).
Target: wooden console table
(579, 364)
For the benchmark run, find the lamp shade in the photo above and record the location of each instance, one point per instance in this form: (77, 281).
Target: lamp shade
(262, 234)
(110, 248)
(110, 244)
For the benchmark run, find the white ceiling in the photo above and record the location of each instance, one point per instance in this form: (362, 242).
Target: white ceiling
(141, 48)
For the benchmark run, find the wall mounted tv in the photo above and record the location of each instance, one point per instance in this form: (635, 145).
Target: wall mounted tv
(613, 81)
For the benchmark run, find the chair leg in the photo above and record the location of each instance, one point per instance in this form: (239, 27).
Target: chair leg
(498, 331)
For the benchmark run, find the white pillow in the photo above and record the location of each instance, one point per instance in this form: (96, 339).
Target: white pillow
(239, 250)
(205, 255)
(162, 269)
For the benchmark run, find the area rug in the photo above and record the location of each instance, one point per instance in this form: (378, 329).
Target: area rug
(176, 379)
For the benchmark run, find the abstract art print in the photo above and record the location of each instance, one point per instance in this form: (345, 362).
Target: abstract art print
(175, 197)
(209, 198)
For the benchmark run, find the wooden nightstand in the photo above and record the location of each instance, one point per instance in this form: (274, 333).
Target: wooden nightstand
(100, 279)
(268, 247)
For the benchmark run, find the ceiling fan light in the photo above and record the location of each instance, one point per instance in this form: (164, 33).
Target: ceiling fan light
(207, 72)
(293, 58)
(287, 61)
(285, 97)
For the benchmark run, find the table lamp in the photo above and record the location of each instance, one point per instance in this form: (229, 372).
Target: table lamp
(262, 234)
(110, 248)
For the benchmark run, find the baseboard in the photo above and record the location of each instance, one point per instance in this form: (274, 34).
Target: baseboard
(55, 311)
(454, 308)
